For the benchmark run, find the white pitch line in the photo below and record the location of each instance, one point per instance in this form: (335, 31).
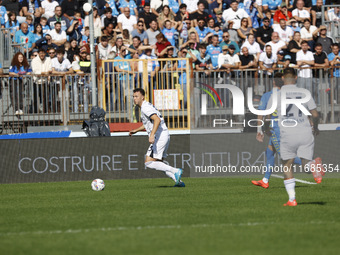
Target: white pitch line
(111, 229)
(297, 180)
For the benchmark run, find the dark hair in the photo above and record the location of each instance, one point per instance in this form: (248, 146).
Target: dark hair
(60, 51)
(58, 22)
(304, 42)
(15, 61)
(41, 49)
(136, 37)
(183, 6)
(35, 28)
(289, 72)
(306, 20)
(107, 10)
(202, 46)
(266, 18)
(147, 4)
(140, 90)
(103, 38)
(10, 14)
(335, 44)
(278, 79)
(318, 44)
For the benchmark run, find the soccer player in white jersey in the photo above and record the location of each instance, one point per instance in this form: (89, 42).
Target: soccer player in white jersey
(159, 137)
(296, 134)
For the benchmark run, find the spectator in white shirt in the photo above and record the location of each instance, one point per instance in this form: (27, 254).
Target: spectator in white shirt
(127, 21)
(307, 33)
(48, 7)
(305, 58)
(276, 44)
(252, 46)
(234, 15)
(58, 35)
(61, 65)
(285, 32)
(300, 14)
(267, 61)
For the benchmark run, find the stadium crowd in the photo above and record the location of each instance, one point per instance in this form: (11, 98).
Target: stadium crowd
(216, 34)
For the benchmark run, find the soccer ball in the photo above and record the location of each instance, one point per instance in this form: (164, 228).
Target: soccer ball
(97, 185)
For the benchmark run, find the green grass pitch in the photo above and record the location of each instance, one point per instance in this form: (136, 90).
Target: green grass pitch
(208, 216)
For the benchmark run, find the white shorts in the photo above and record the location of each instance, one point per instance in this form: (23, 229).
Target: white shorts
(299, 144)
(158, 150)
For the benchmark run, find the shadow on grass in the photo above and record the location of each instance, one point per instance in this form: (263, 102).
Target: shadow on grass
(312, 203)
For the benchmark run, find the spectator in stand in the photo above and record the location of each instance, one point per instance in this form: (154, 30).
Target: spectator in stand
(103, 48)
(214, 50)
(268, 14)
(14, 6)
(307, 33)
(29, 21)
(276, 44)
(52, 53)
(323, 39)
(201, 30)
(283, 60)
(161, 44)
(247, 61)
(245, 30)
(169, 32)
(74, 50)
(294, 46)
(285, 32)
(233, 15)
(46, 42)
(140, 32)
(38, 34)
(203, 62)
(146, 16)
(3, 15)
(211, 25)
(48, 8)
(217, 31)
(264, 33)
(282, 13)
(334, 60)
(191, 5)
(271, 5)
(58, 35)
(321, 62)
(300, 14)
(228, 42)
(74, 31)
(32, 8)
(182, 14)
(152, 32)
(61, 65)
(107, 19)
(157, 6)
(109, 32)
(45, 28)
(25, 36)
(12, 23)
(292, 23)
(183, 29)
(127, 21)
(112, 5)
(267, 61)
(316, 13)
(252, 46)
(152, 66)
(69, 7)
(304, 59)
(192, 53)
(199, 14)
(117, 47)
(58, 17)
(131, 5)
(219, 20)
(227, 60)
(41, 65)
(174, 6)
(333, 14)
(97, 24)
(127, 38)
(136, 46)
(165, 15)
(19, 66)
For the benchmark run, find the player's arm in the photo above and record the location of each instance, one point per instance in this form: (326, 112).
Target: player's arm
(134, 131)
(156, 121)
(315, 121)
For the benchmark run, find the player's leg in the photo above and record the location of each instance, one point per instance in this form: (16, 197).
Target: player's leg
(289, 182)
(156, 153)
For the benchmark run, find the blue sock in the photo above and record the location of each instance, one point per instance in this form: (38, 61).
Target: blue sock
(270, 162)
(297, 161)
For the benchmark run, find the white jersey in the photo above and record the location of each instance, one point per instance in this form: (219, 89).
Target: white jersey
(295, 121)
(147, 110)
(230, 15)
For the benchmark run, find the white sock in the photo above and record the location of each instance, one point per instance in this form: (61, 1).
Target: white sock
(170, 175)
(290, 188)
(265, 180)
(159, 165)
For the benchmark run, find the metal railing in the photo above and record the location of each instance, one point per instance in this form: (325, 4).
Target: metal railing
(165, 81)
(64, 100)
(333, 26)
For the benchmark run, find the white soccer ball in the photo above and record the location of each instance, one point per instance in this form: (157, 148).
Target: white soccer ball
(97, 185)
